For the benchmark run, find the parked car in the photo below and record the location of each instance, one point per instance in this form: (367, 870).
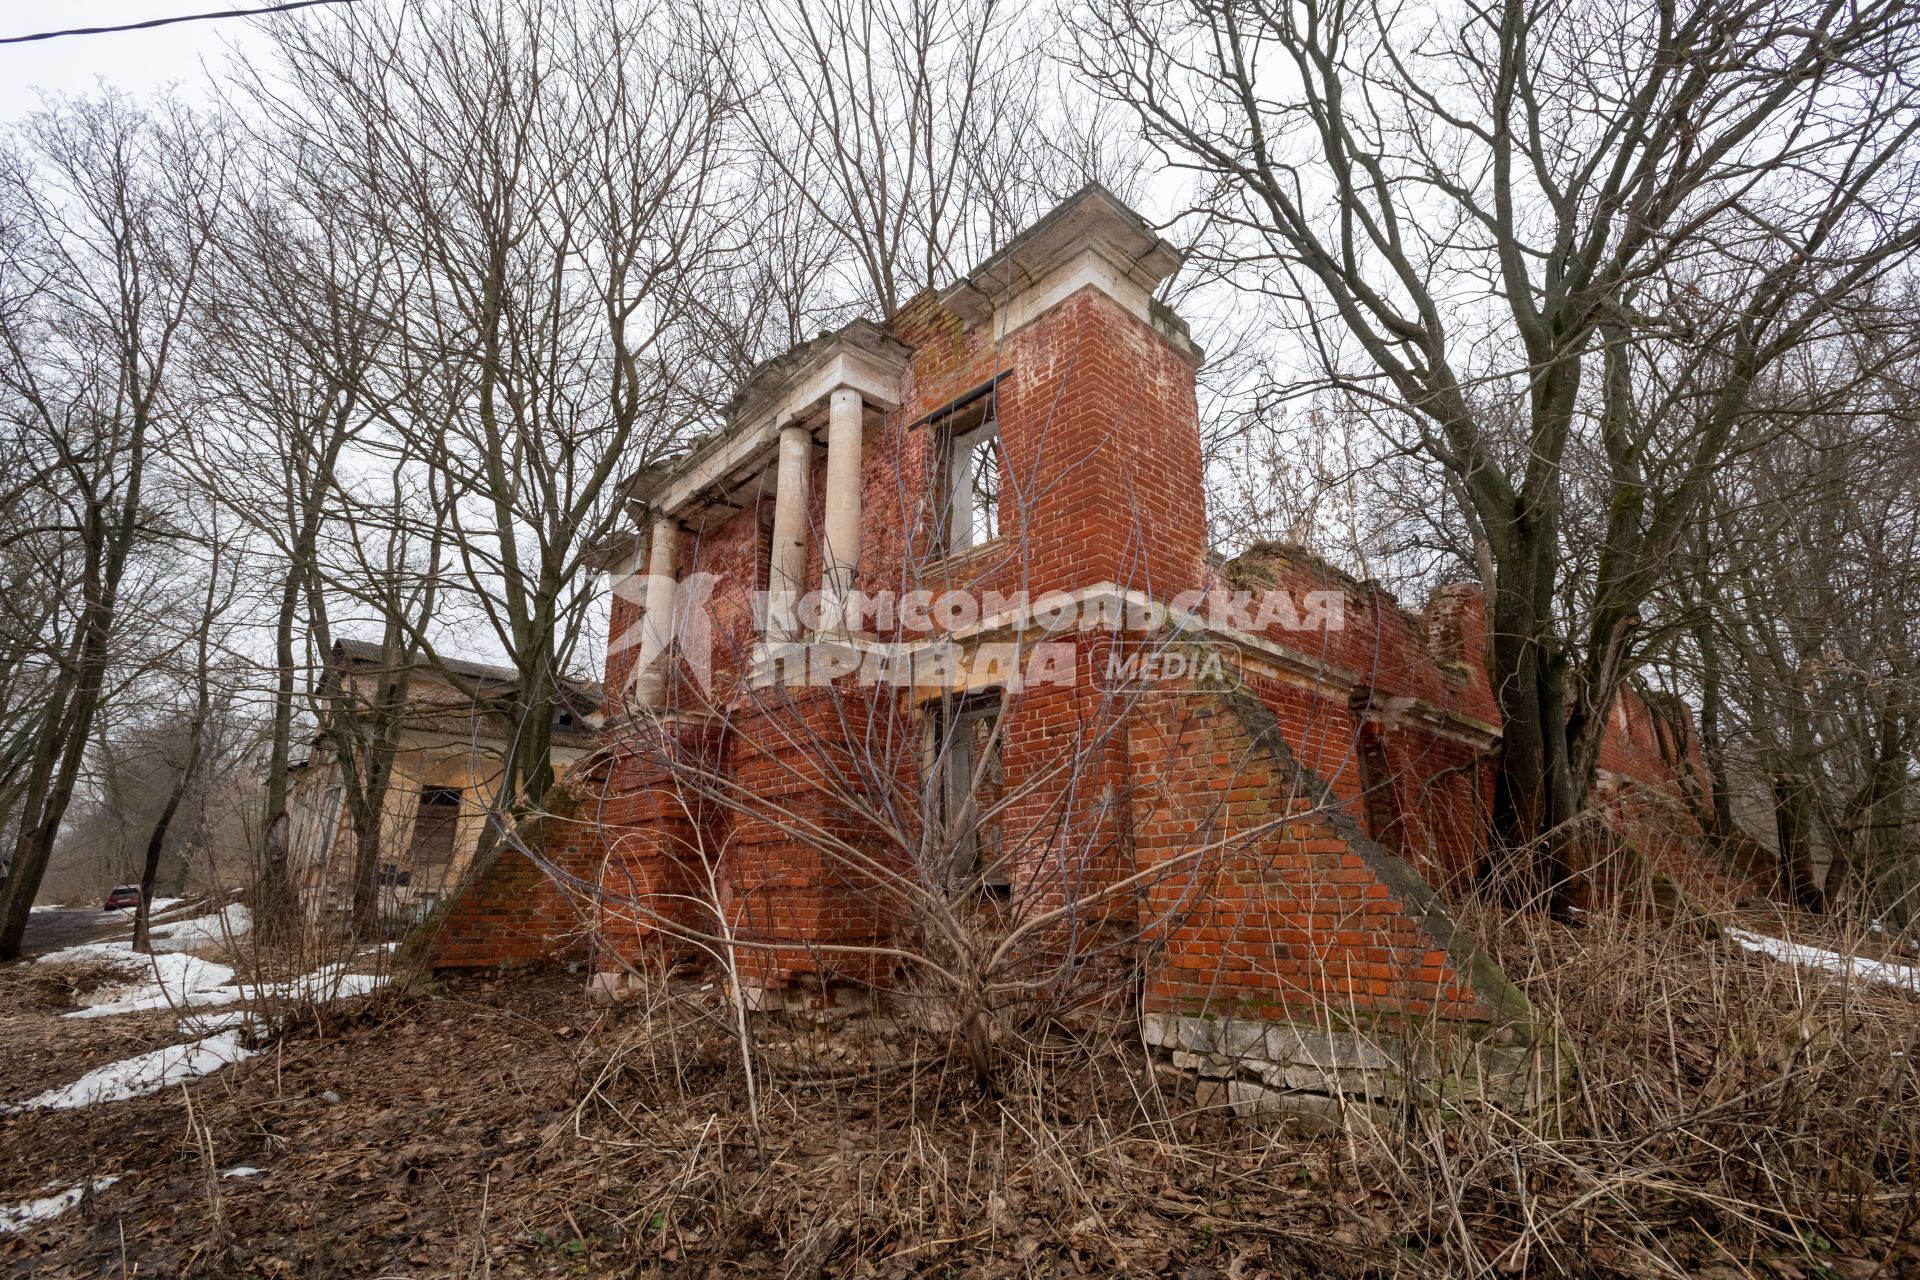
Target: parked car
(122, 897)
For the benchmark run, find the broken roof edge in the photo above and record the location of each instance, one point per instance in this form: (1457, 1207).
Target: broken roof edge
(1091, 218)
(368, 655)
(768, 379)
(1091, 221)
(619, 548)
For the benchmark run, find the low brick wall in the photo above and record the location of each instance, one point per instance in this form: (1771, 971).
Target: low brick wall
(508, 910)
(804, 911)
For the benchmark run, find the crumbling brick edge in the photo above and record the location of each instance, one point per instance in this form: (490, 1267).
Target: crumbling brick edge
(1362, 1076)
(507, 911)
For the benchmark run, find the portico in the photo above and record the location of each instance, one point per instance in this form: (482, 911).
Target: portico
(828, 394)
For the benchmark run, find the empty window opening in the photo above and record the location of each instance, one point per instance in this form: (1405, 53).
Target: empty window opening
(434, 826)
(969, 787)
(969, 479)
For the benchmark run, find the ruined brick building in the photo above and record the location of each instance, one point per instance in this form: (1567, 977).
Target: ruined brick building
(934, 614)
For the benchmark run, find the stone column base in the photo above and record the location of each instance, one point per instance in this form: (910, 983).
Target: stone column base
(615, 987)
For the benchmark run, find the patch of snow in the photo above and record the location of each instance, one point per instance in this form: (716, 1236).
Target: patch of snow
(166, 981)
(1806, 957)
(232, 922)
(159, 905)
(142, 1074)
(173, 981)
(120, 951)
(328, 982)
(242, 1171)
(15, 1216)
(169, 979)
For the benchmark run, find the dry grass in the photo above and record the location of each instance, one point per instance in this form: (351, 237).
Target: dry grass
(1726, 1110)
(1731, 1116)
(1728, 1114)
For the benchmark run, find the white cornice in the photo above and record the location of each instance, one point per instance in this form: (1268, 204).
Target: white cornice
(748, 444)
(1091, 241)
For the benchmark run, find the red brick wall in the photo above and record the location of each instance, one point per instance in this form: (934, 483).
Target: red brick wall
(1438, 789)
(811, 884)
(654, 846)
(510, 911)
(1064, 751)
(1098, 425)
(734, 552)
(1439, 819)
(1630, 747)
(1288, 908)
(1436, 658)
(623, 645)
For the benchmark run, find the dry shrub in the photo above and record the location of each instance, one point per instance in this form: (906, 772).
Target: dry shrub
(1726, 1110)
(1723, 1108)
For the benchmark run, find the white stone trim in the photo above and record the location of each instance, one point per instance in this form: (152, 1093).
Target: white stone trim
(787, 564)
(1090, 242)
(656, 622)
(1297, 666)
(840, 531)
(754, 440)
(1090, 268)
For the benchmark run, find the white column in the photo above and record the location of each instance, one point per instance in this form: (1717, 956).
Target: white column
(656, 625)
(840, 553)
(787, 572)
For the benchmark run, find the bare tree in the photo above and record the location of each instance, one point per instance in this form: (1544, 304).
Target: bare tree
(215, 603)
(111, 201)
(918, 136)
(1798, 607)
(1530, 230)
(295, 358)
(390, 563)
(549, 174)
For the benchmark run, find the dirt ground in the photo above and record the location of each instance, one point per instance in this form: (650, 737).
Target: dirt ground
(506, 1127)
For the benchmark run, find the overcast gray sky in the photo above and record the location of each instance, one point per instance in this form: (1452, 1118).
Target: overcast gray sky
(132, 60)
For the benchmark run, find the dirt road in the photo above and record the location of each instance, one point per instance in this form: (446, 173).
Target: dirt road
(51, 928)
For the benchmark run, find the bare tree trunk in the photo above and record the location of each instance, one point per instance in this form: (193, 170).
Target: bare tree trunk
(1719, 812)
(1534, 793)
(63, 745)
(276, 902)
(189, 771)
(1793, 826)
(116, 200)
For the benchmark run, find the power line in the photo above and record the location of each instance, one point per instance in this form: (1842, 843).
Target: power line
(167, 22)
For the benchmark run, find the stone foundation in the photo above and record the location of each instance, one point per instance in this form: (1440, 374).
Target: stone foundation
(1277, 1070)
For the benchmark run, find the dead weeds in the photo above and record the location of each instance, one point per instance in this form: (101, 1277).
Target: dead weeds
(1730, 1118)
